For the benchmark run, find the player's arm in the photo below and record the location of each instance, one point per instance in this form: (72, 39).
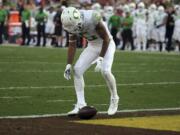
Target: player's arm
(164, 22)
(71, 48)
(101, 30)
(70, 56)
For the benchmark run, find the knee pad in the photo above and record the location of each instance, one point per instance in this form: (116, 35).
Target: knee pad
(105, 73)
(78, 72)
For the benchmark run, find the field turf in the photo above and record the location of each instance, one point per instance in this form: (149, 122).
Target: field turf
(32, 83)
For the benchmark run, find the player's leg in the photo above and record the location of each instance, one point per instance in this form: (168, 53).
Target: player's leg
(162, 39)
(157, 44)
(47, 31)
(82, 64)
(138, 38)
(144, 40)
(44, 35)
(38, 35)
(153, 37)
(110, 79)
(131, 40)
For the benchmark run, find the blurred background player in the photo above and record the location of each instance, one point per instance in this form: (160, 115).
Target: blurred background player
(176, 35)
(3, 21)
(58, 28)
(41, 18)
(127, 34)
(108, 12)
(169, 28)
(114, 25)
(160, 24)
(100, 50)
(96, 7)
(141, 27)
(152, 11)
(26, 25)
(50, 25)
(132, 8)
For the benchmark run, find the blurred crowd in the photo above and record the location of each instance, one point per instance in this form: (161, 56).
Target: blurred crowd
(134, 25)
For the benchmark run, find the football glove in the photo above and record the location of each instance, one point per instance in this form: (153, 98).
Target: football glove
(99, 64)
(67, 72)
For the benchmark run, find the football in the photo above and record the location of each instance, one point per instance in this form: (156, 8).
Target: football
(87, 112)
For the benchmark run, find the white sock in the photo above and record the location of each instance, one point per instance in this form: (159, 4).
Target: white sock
(79, 88)
(163, 47)
(111, 83)
(144, 46)
(49, 42)
(176, 48)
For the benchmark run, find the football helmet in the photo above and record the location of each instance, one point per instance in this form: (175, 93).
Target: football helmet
(126, 8)
(161, 9)
(141, 6)
(96, 6)
(132, 5)
(153, 7)
(71, 20)
(108, 9)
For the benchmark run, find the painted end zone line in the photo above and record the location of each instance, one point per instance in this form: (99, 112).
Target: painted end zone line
(103, 112)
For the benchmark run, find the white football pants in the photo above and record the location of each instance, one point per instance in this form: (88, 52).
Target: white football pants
(160, 37)
(90, 54)
(141, 36)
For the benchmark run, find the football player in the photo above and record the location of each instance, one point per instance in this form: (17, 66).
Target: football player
(160, 24)
(132, 8)
(176, 34)
(101, 48)
(152, 11)
(97, 7)
(108, 12)
(50, 24)
(141, 27)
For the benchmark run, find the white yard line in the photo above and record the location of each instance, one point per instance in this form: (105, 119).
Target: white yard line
(59, 100)
(31, 62)
(91, 86)
(115, 71)
(103, 112)
(62, 63)
(15, 97)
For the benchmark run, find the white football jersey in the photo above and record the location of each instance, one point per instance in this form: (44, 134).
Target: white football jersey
(51, 16)
(90, 20)
(160, 18)
(141, 14)
(151, 17)
(177, 27)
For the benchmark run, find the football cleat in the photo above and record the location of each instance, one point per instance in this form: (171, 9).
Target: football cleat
(113, 106)
(76, 109)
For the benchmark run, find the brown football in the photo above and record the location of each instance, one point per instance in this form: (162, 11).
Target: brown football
(87, 112)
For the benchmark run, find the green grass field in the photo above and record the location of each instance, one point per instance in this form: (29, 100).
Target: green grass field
(31, 81)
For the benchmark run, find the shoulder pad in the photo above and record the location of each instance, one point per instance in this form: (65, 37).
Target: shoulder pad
(96, 17)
